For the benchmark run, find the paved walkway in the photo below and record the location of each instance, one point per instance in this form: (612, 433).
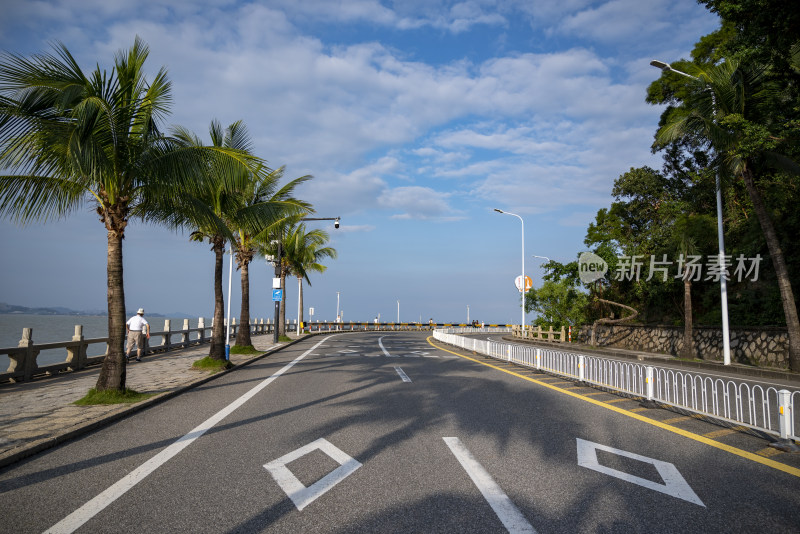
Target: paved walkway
(38, 415)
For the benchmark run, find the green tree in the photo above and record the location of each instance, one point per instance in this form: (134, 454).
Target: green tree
(558, 304)
(262, 189)
(726, 106)
(692, 235)
(68, 139)
(220, 205)
(304, 251)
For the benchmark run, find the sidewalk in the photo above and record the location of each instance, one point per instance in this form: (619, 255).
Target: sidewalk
(37, 415)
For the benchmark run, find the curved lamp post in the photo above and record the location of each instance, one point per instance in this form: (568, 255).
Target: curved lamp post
(522, 324)
(723, 286)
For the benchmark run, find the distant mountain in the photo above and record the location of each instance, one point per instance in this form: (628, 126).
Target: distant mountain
(58, 310)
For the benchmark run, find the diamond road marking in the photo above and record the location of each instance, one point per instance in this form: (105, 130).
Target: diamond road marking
(674, 483)
(300, 495)
(347, 351)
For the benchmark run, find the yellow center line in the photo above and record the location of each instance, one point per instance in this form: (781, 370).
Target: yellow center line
(696, 437)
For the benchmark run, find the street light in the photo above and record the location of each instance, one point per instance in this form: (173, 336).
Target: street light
(723, 286)
(544, 258)
(299, 282)
(228, 325)
(522, 324)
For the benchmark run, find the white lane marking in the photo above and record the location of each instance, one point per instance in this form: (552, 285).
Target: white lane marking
(83, 514)
(506, 511)
(300, 495)
(674, 484)
(403, 376)
(385, 352)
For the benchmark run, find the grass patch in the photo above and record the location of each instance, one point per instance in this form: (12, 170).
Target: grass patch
(112, 396)
(249, 349)
(284, 339)
(211, 364)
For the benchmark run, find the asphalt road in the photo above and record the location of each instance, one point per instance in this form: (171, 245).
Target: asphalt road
(383, 432)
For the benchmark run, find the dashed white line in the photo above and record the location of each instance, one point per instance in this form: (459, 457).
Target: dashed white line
(385, 352)
(83, 514)
(403, 376)
(506, 511)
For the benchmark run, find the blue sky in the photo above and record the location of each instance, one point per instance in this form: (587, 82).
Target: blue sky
(416, 118)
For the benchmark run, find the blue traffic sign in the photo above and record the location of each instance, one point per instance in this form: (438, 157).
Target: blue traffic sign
(277, 294)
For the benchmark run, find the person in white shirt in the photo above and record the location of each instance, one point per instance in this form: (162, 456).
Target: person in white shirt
(137, 328)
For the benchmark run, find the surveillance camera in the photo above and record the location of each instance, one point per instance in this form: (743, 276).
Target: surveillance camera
(336, 223)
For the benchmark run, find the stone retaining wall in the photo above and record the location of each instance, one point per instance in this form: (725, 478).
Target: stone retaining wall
(766, 347)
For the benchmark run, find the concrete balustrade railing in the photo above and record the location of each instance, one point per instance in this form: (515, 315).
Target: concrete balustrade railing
(23, 358)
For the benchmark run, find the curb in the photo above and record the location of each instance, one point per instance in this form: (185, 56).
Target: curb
(35, 447)
(735, 368)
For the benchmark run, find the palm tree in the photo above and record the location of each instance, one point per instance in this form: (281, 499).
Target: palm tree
(723, 110)
(262, 189)
(691, 234)
(69, 139)
(219, 206)
(304, 252)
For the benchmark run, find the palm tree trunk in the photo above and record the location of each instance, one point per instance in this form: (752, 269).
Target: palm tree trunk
(781, 272)
(217, 350)
(113, 372)
(243, 334)
(688, 342)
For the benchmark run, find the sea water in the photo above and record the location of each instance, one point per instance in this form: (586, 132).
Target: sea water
(61, 328)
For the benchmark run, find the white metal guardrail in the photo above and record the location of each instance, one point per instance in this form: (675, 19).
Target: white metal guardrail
(760, 407)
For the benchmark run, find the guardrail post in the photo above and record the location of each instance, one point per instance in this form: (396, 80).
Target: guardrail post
(508, 352)
(649, 382)
(538, 358)
(563, 335)
(581, 363)
(24, 360)
(76, 354)
(785, 413)
(786, 422)
(185, 340)
(201, 324)
(166, 337)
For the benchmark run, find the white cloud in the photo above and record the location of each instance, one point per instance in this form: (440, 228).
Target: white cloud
(417, 203)
(455, 17)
